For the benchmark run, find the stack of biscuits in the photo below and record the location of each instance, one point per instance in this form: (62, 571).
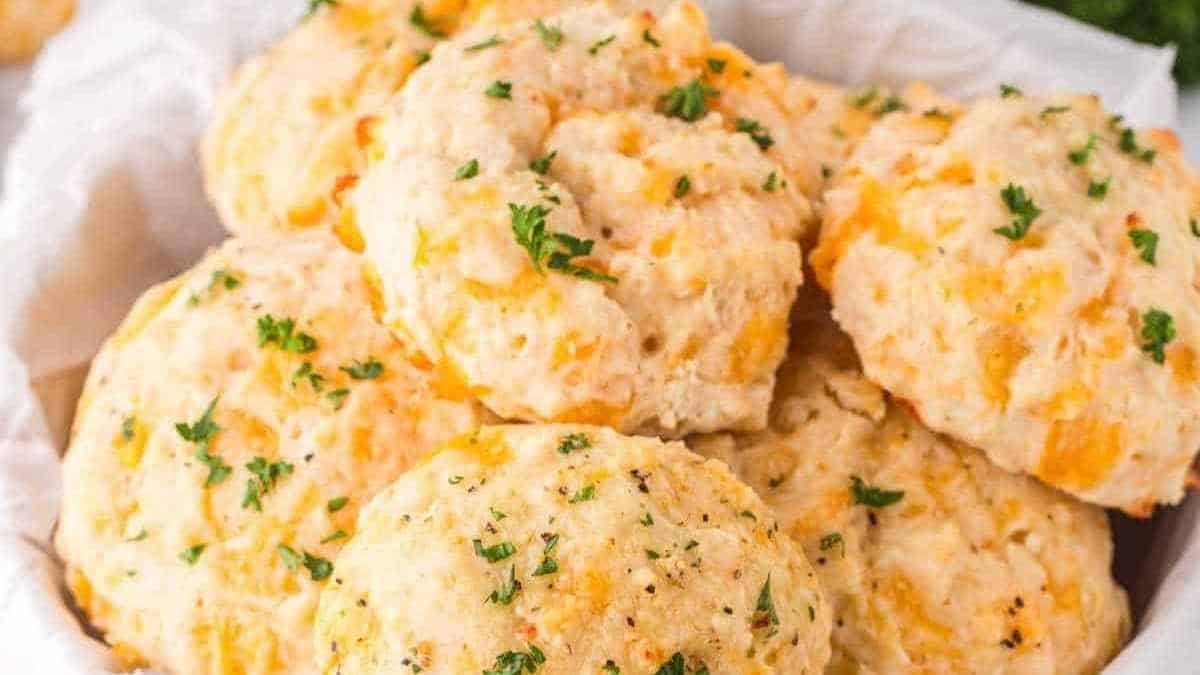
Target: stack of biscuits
(558, 338)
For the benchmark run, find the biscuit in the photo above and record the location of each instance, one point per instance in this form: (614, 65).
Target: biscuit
(932, 559)
(1024, 276)
(563, 549)
(27, 24)
(228, 434)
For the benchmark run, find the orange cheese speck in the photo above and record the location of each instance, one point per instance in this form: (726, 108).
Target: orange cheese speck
(757, 348)
(1000, 352)
(1182, 360)
(1079, 453)
(305, 215)
(486, 447)
(876, 212)
(345, 228)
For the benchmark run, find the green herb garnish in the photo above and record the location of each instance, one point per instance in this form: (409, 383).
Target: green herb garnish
(282, 334)
(687, 102)
(555, 249)
(499, 89)
(871, 495)
(1158, 329)
(1146, 242)
(552, 36)
(494, 553)
(1023, 210)
(758, 133)
(468, 170)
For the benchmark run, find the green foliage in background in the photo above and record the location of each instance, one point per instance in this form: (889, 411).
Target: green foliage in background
(1154, 21)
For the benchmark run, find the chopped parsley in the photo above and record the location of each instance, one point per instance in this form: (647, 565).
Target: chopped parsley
(771, 182)
(764, 610)
(1146, 242)
(573, 442)
(1158, 329)
(499, 89)
(314, 5)
(548, 564)
(833, 539)
(508, 588)
(610, 668)
(282, 334)
(454, 480)
(266, 476)
(468, 170)
(201, 433)
(586, 494)
(758, 133)
(1129, 145)
(552, 36)
(337, 504)
(1195, 226)
(687, 102)
(672, 666)
(515, 663)
(864, 98)
(494, 553)
(318, 568)
(359, 370)
(422, 57)
(1098, 189)
(498, 515)
(338, 397)
(290, 558)
(192, 553)
(1079, 156)
(601, 44)
(1053, 110)
(682, 187)
(422, 23)
(493, 41)
(1023, 210)
(306, 372)
(646, 520)
(1009, 91)
(650, 39)
(716, 65)
(129, 428)
(542, 164)
(556, 249)
(871, 495)
(340, 534)
(220, 277)
(890, 105)
(652, 554)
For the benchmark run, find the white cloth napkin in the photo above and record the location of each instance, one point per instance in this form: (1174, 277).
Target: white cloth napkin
(102, 197)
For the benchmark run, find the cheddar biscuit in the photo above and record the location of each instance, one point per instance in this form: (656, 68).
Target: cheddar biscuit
(1024, 276)
(932, 559)
(228, 434)
(563, 549)
(578, 234)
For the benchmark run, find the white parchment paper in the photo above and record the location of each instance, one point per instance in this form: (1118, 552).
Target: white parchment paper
(102, 198)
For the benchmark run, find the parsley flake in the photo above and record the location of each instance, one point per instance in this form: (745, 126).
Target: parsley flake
(652, 554)
(454, 480)
(890, 105)
(314, 5)
(1146, 242)
(610, 668)
(758, 133)
(201, 433)
(864, 98)
(1195, 226)
(716, 65)
(586, 494)
(494, 553)
(833, 539)
(1009, 91)
(556, 249)
(422, 23)
(338, 397)
(266, 476)
(682, 187)
(359, 370)
(498, 515)
(306, 372)
(672, 666)
(468, 170)
(290, 558)
(1158, 329)
(282, 334)
(764, 609)
(650, 39)
(318, 568)
(422, 57)
(542, 164)
(601, 44)
(493, 41)
(515, 663)
(1050, 110)
(871, 495)
(1079, 157)
(1098, 189)
(1022, 207)
(552, 36)
(340, 534)
(337, 504)
(573, 442)
(129, 428)
(771, 182)
(499, 89)
(192, 553)
(646, 520)
(508, 588)
(687, 102)
(1129, 145)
